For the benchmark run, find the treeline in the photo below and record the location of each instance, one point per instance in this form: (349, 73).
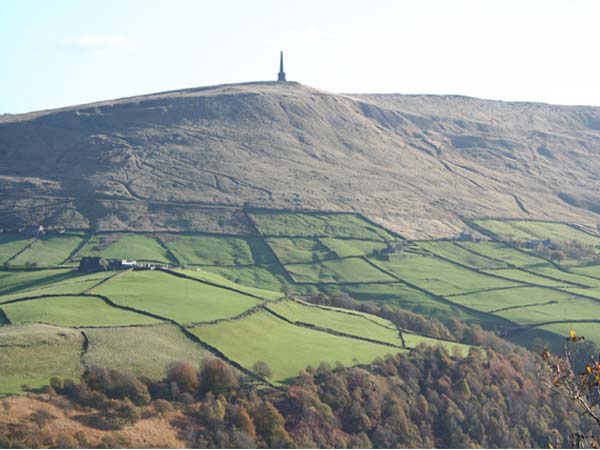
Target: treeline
(424, 398)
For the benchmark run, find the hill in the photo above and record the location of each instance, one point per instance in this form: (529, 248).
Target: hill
(190, 160)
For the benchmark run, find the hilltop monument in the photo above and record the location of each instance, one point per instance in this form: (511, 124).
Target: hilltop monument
(281, 74)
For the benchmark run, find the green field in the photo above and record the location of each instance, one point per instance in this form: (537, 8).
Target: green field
(573, 308)
(312, 225)
(505, 253)
(526, 277)
(76, 284)
(528, 230)
(286, 348)
(270, 277)
(401, 296)
(142, 350)
(491, 301)
(72, 311)
(220, 251)
(179, 299)
(589, 330)
(566, 276)
(352, 247)
(454, 252)
(12, 281)
(357, 325)
(330, 253)
(140, 247)
(350, 270)
(592, 270)
(32, 354)
(50, 250)
(299, 250)
(437, 276)
(212, 277)
(11, 244)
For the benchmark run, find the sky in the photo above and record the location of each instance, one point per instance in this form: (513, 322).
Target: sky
(65, 52)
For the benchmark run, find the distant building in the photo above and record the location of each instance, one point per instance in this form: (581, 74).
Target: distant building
(89, 264)
(98, 264)
(281, 74)
(465, 236)
(33, 230)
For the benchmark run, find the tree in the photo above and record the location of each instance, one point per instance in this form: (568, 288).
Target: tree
(217, 376)
(262, 369)
(580, 388)
(185, 375)
(557, 255)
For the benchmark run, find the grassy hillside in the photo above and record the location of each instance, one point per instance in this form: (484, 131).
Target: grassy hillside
(32, 354)
(244, 303)
(147, 351)
(263, 337)
(196, 156)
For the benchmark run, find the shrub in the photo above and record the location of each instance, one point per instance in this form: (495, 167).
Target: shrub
(186, 377)
(262, 369)
(117, 385)
(217, 376)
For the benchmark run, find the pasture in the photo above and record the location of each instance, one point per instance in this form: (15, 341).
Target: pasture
(528, 230)
(344, 248)
(567, 277)
(287, 348)
(142, 350)
(140, 247)
(437, 276)
(179, 299)
(32, 354)
(299, 250)
(12, 281)
(72, 311)
(331, 253)
(50, 250)
(318, 224)
(215, 278)
(400, 295)
(505, 253)
(76, 284)
(526, 277)
(339, 271)
(456, 253)
(362, 325)
(494, 301)
(11, 244)
(271, 277)
(200, 250)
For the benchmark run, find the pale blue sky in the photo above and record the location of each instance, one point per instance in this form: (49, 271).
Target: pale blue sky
(64, 52)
